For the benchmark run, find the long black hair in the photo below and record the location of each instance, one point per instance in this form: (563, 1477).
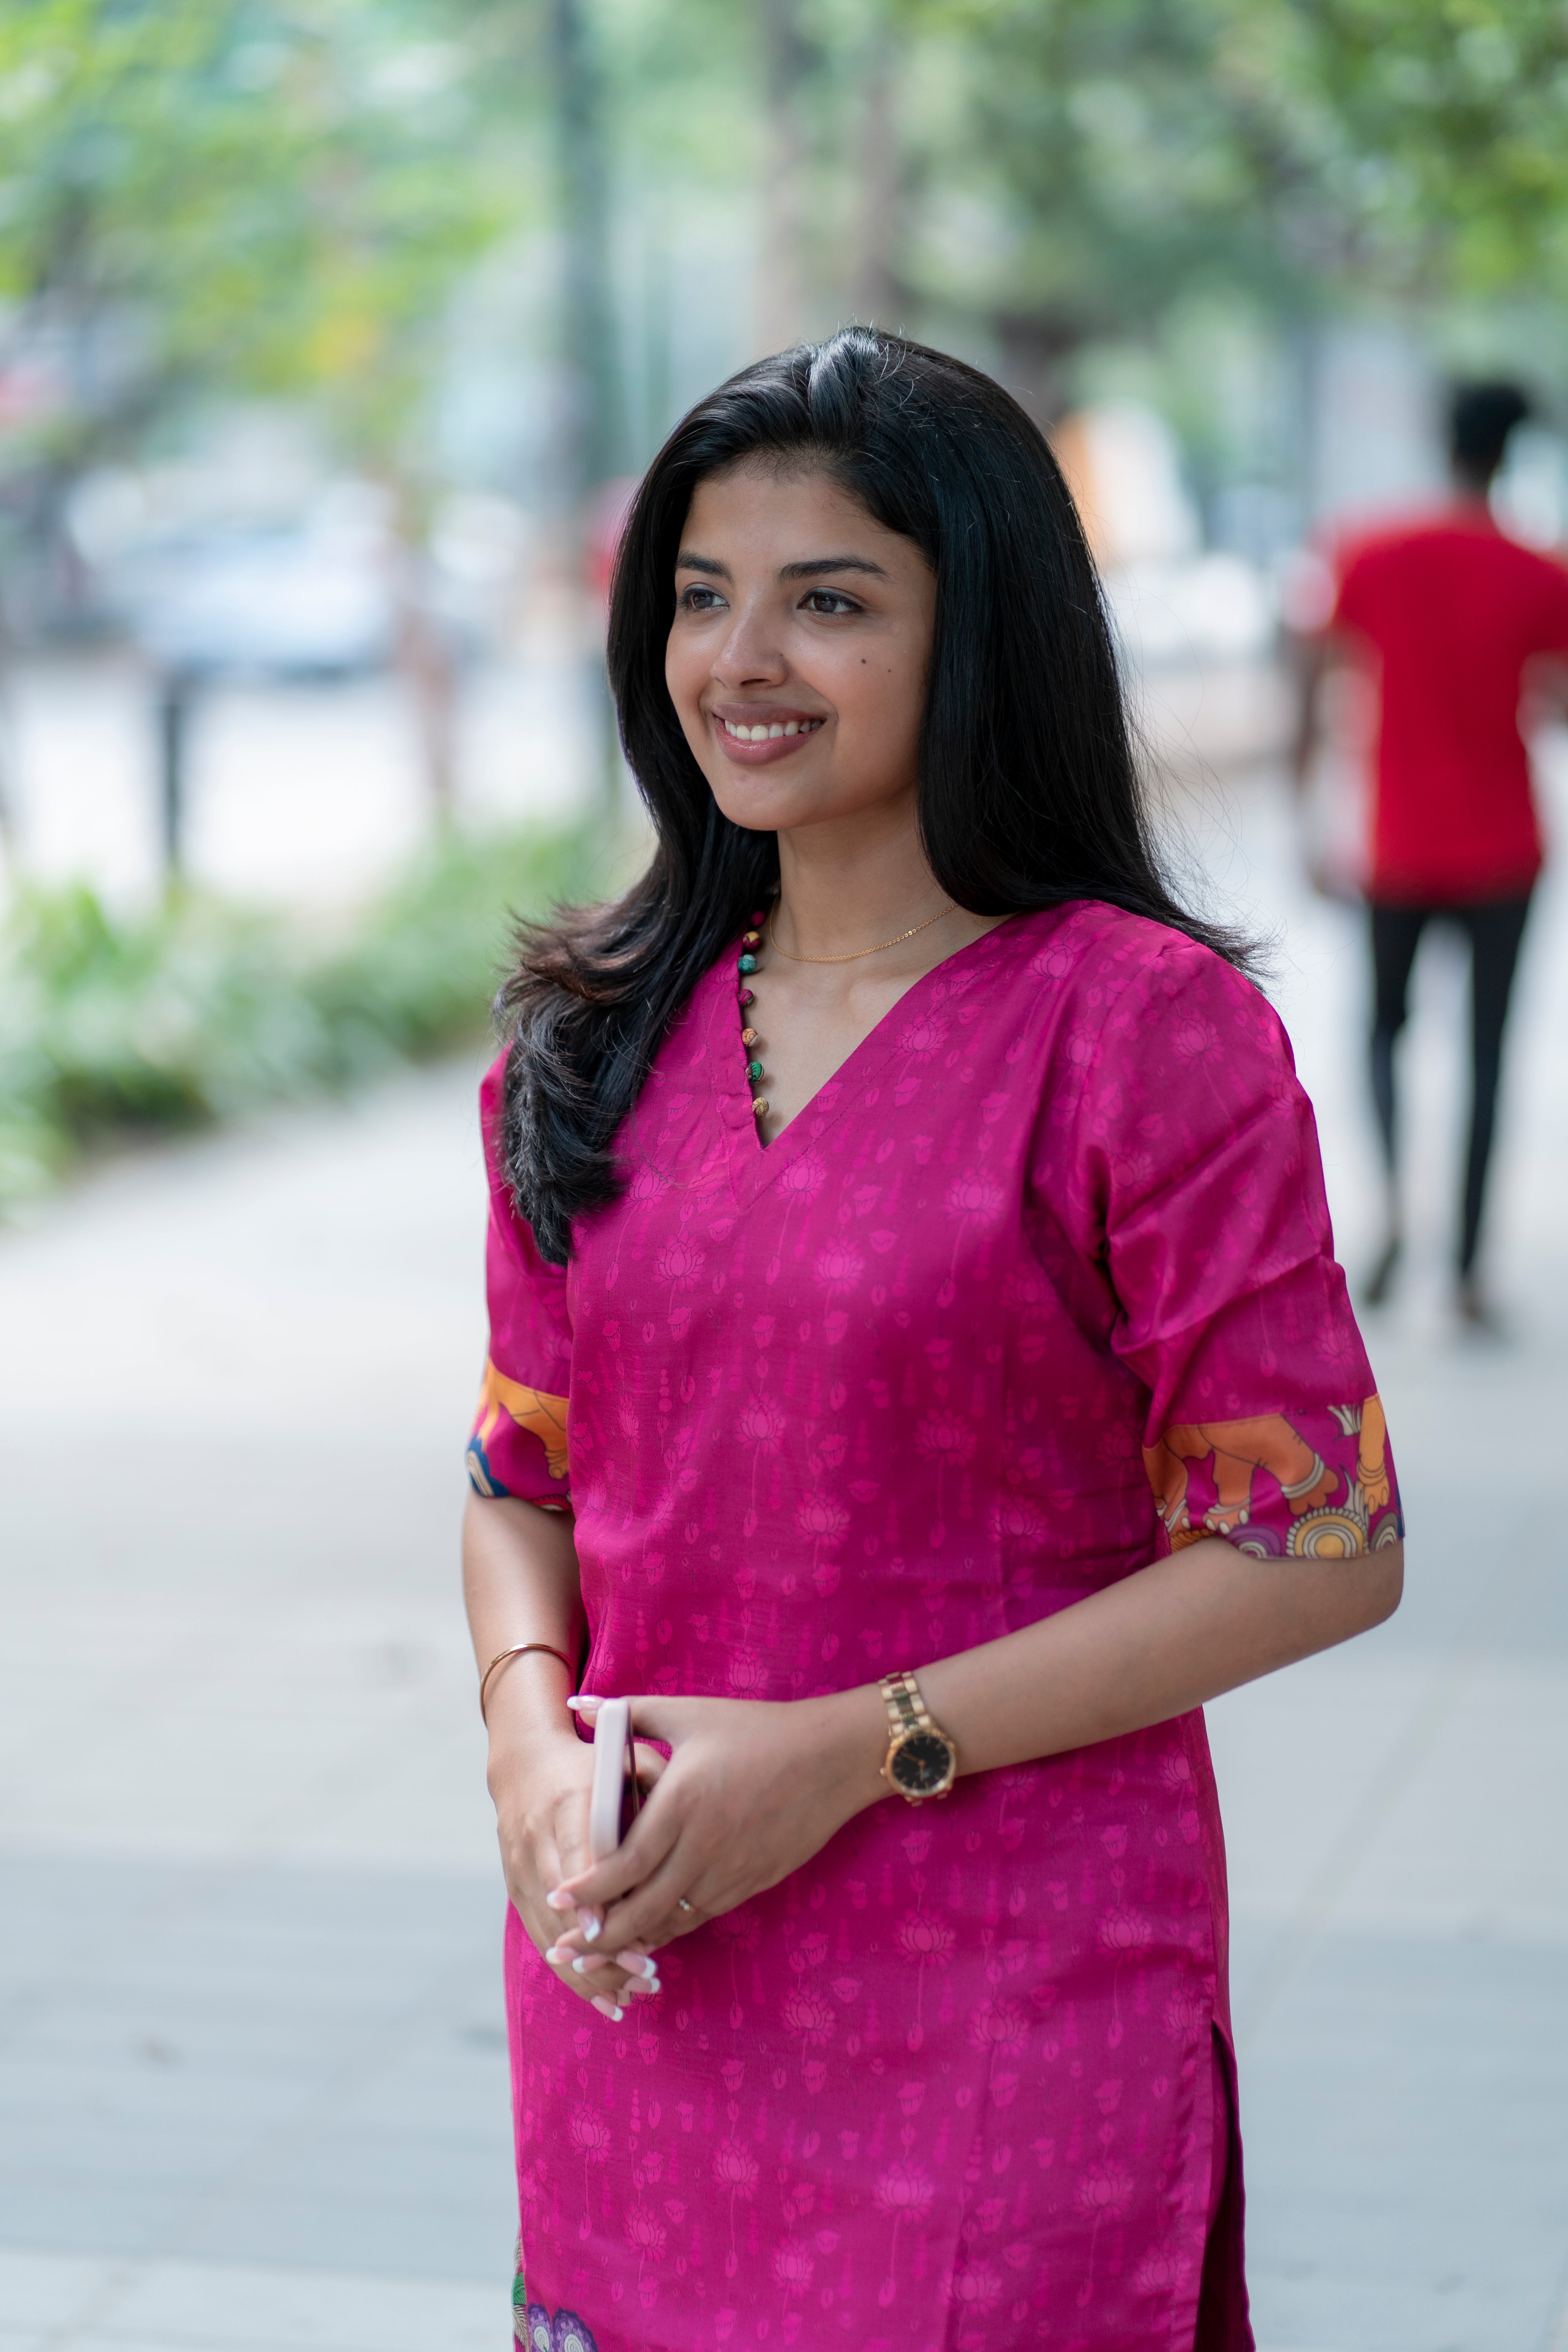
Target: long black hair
(1029, 792)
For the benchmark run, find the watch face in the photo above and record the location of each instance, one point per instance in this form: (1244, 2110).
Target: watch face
(920, 1763)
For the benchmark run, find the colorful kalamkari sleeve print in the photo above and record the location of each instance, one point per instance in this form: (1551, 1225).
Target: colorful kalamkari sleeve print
(1313, 1485)
(519, 1442)
(1200, 1171)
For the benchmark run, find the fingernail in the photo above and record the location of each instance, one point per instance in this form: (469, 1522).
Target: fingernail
(638, 1964)
(592, 1927)
(558, 1899)
(557, 1954)
(607, 2007)
(586, 1962)
(585, 1699)
(644, 1988)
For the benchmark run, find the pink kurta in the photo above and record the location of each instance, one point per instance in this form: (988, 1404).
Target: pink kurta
(1039, 1284)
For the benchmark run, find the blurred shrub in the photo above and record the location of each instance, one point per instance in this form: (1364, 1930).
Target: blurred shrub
(111, 1027)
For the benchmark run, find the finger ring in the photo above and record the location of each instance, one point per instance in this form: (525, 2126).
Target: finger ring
(681, 1904)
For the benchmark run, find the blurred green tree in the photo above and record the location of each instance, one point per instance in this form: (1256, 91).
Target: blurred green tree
(1072, 169)
(237, 196)
(229, 194)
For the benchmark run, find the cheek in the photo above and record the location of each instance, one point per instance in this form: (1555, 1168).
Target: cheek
(685, 675)
(881, 692)
(677, 672)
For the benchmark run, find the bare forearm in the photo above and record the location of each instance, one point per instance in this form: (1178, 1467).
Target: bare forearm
(1163, 1641)
(1309, 662)
(521, 1584)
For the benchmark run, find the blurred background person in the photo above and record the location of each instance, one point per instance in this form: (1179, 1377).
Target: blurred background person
(1454, 619)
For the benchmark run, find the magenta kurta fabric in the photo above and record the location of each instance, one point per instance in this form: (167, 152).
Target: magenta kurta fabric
(1040, 1285)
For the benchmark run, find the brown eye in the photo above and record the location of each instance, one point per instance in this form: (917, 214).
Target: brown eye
(829, 601)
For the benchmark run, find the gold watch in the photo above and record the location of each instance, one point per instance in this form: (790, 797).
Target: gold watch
(921, 1760)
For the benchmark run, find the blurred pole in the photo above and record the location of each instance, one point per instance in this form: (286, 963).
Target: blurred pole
(786, 62)
(875, 292)
(594, 427)
(657, 368)
(174, 697)
(597, 427)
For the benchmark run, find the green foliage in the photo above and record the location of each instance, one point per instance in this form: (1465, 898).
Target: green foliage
(282, 195)
(200, 1010)
(243, 195)
(1113, 157)
(1453, 117)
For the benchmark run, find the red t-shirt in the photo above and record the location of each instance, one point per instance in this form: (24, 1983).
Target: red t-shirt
(1453, 611)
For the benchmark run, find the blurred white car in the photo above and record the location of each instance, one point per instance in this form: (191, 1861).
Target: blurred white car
(271, 603)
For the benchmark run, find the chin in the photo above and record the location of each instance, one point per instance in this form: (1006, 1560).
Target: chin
(752, 805)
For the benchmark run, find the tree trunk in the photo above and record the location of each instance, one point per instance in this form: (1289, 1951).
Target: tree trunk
(781, 304)
(875, 293)
(595, 429)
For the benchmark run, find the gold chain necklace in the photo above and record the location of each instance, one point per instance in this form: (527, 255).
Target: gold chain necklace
(859, 952)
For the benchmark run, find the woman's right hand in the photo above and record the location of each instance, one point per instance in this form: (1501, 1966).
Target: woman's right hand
(542, 1821)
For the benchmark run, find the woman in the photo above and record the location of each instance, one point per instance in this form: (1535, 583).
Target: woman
(919, 1369)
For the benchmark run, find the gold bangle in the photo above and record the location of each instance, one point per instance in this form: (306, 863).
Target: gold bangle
(518, 1649)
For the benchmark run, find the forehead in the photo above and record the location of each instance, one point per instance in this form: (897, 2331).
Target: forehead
(790, 510)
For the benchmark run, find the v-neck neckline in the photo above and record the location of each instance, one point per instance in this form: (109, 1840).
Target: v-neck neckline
(756, 1164)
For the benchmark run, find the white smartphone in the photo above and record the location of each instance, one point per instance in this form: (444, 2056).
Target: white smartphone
(613, 1798)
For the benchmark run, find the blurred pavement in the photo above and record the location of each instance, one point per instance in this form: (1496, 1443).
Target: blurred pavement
(252, 2069)
(306, 794)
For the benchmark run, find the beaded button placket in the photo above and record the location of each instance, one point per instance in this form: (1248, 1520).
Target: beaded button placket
(745, 965)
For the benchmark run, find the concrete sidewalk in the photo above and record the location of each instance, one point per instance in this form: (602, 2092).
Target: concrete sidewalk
(252, 2073)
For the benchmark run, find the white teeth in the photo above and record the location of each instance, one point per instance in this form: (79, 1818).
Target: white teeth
(771, 734)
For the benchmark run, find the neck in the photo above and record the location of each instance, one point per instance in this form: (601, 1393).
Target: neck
(859, 879)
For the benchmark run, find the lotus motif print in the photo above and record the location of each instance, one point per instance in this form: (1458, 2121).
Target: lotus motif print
(794, 2266)
(590, 2135)
(1000, 2025)
(839, 1267)
(923, 1036)
(811, 2016)
(946, 1437)
(681, 1263)
(822, 1516)
(1105, 2189)
(762, 1423)
(921, 1936)
(1124, 1930)
(903, 2189)
(978, 2286)
(646, 2231)
(974, 1194)
(1015, 1519)
(735, 2167)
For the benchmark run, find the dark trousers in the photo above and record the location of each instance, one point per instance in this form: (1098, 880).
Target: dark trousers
(1494, 928)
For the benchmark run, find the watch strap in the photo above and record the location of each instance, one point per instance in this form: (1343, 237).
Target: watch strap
(906, 1709)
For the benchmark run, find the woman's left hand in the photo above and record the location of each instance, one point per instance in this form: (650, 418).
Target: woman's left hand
(753, 1789)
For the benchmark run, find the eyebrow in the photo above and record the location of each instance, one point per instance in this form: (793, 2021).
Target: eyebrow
(817, 569)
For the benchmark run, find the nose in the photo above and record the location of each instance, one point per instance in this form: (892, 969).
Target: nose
(749, 653)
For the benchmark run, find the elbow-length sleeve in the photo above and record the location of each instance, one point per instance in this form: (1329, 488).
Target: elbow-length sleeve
(1200, 1184)
(518, 1442)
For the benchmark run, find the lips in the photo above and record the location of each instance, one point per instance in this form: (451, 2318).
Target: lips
(756, 734)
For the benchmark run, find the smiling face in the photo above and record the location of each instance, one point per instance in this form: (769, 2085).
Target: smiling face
(798, 653)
